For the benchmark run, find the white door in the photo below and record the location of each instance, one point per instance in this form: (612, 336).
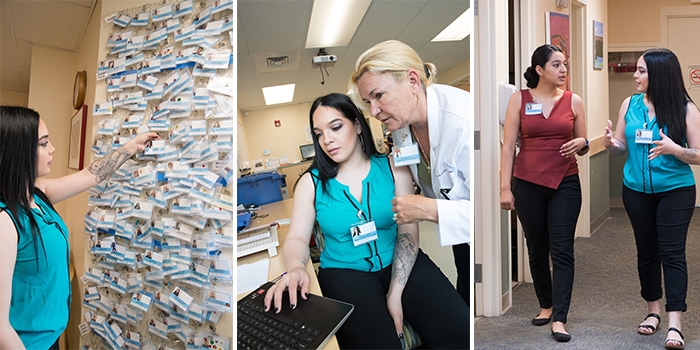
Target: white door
(679, 30)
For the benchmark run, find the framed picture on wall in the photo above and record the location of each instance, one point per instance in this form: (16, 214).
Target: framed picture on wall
(76, 146)
(557, 31)
(597, 45)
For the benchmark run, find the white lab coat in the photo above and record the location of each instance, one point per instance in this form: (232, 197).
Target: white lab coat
(450, 124)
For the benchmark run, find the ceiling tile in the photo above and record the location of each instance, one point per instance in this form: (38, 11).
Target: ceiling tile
(274, 25)
(39, 24)
(247, 78)
(384, 20)
(432, 19)
(10, 74)
(24, 51)
(8, 54)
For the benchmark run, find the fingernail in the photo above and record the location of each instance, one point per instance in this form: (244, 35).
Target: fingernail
(400, 335)
(277, 309)
(306, 295)
(292, 306)
(267, 307)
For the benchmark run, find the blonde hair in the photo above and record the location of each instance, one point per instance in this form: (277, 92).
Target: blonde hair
(392, 57)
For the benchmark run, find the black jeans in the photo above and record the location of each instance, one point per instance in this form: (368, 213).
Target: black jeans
(430, 304)
(549, 220)
(660, 222)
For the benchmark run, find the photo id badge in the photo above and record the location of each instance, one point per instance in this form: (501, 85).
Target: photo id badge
(533, 108)
(643, 136)
(363, 233)
(406, 155)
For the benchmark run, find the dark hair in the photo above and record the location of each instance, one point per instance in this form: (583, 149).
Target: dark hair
(19, 141)
(327, 168)
(666, 91)
(539, 58)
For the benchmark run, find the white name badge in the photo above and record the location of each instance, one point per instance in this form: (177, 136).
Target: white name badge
(406, 155)
(643, 136)
(363, 233)
(533, 108)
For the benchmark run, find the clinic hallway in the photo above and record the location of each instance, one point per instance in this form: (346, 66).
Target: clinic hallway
(606, 306)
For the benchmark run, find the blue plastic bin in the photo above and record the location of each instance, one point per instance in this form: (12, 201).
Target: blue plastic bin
(244, 221)
(260, 189)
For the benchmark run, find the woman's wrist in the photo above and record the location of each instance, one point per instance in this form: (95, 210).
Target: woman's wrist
(585, 146)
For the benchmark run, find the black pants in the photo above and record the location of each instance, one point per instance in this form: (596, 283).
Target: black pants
(55, 345)
(430, 304)
(660, 222)
(549, 220)
(463, 263)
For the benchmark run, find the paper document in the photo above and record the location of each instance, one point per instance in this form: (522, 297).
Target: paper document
(251, 276)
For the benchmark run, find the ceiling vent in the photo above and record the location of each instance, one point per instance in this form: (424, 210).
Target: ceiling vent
(277, 62)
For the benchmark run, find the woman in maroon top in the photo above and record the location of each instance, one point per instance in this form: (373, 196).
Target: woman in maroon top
(551, 125)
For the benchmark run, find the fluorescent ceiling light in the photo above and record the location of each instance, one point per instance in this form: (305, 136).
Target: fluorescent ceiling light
(278, 94)
(458, 29)
(334, 22)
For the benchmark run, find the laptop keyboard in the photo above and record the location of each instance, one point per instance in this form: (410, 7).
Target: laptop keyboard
(258, 329)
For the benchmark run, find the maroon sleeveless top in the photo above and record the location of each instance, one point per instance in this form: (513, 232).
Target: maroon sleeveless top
(539, 160)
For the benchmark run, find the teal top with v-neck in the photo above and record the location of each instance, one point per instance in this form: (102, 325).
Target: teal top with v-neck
(41, 291)
(337, 210)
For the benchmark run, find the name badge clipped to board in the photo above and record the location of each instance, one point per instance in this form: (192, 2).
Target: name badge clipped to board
(363, 232)
(533, 108)
(405, 151)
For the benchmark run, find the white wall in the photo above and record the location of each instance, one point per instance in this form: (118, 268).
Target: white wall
(261, 133)
(51, 95)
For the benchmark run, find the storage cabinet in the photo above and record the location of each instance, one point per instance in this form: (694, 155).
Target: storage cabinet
(293, 172)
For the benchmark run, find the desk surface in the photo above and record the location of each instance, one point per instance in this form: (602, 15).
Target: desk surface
(278, 211)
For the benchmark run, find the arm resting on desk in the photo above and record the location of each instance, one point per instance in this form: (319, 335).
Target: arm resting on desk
(296, 247)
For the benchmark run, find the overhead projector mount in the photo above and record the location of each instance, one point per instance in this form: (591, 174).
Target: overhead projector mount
(323, 60)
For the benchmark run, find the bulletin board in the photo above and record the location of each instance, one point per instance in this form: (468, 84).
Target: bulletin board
(159, 231)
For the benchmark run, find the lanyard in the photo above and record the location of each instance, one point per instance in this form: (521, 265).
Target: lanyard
(360, 214)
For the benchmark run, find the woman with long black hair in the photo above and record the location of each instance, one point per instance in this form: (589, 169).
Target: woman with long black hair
(34, 254)
(377, 267)
(659, 129)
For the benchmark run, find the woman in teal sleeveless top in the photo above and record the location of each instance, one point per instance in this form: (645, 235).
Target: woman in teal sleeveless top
(659, 129)
(367, 260)
(34, 250)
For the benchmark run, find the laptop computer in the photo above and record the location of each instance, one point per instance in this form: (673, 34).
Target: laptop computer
(309, 326)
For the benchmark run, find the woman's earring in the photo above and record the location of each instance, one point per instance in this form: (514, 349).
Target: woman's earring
(362, 142)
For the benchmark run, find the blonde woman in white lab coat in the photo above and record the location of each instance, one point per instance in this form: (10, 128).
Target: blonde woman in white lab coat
(395, 86)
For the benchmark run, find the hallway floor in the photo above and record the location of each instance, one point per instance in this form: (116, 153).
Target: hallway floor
(606, 306)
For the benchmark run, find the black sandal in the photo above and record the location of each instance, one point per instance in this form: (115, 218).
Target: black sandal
(674, 346)
(648, 326)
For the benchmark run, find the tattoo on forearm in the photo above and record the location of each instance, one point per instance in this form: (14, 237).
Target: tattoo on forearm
(104, 167)
(404, 256)
(691, 153)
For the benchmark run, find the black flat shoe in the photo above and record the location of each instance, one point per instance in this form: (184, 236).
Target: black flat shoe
(541, 321)
(648, 327)
(561, 337)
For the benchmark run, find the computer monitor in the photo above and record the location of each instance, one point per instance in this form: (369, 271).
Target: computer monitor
(307, 151)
